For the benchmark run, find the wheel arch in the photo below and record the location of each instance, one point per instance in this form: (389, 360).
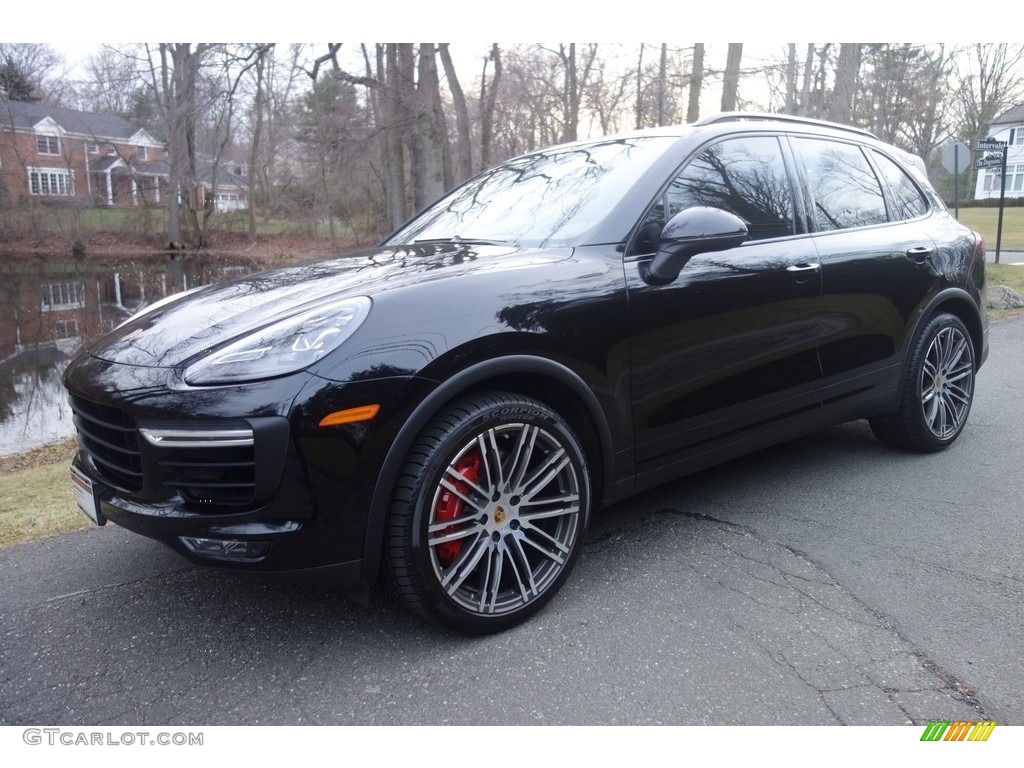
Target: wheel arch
(540, 378)
(957, 302)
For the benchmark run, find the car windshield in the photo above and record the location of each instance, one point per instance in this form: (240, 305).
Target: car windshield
(547, 198)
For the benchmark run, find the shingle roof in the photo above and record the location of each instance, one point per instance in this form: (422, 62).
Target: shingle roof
(24, 115)
(1012, 115)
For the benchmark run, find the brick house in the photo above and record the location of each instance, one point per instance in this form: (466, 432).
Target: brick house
(55, 154)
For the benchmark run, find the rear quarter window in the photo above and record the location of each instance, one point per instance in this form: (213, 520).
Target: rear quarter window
(906, 200)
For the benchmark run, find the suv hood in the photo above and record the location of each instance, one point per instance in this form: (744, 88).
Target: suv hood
(169, 334)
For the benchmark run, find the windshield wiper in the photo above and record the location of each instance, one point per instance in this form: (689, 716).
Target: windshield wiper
(458, 240)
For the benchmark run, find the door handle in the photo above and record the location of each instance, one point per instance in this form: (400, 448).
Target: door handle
(803, 267)
(921, 253)
(802, 272)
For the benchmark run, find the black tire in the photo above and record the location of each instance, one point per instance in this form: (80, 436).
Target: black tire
(937, 391)
(488, 513)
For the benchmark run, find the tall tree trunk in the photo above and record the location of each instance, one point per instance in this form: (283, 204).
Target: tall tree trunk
(428, 149)
(663, 86)
(464, 167)
(696, 83)
(790, 107)
(805, 93)
(403, 122)
(640, 89)
(840, 108)
(817, 107)
(570, 94)
(488, 99)
(174, 87)
(731, 78)
(254, 150)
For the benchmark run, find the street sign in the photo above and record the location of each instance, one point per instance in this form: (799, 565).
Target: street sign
(990, 144)
(990, 161)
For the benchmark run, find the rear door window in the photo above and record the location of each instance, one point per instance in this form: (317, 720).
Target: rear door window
(845, 191)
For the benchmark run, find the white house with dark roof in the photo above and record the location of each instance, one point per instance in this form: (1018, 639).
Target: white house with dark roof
(1008, 127)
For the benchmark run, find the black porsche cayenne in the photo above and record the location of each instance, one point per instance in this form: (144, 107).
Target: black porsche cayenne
(566, 329)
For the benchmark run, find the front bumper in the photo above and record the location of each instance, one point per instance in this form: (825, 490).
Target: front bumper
(268, 491)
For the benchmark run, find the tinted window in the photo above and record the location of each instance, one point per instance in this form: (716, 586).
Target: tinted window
(744, 176)
(845, 190)
(906, 199)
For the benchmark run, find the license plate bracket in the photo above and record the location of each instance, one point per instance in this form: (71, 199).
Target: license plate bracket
(87, 496)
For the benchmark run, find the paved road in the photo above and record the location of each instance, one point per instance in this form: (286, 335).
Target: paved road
(1005, 256)
(830, 580)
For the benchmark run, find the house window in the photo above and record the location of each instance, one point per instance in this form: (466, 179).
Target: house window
(1015, 178)
(65, 329)
(92, 148)
(63, 296)
(140, 153)
(1017, 135)
(47, 145)
(993, 180)
(51, 181)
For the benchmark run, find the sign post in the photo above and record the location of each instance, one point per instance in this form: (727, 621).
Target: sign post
(956, 158)
(995, 157)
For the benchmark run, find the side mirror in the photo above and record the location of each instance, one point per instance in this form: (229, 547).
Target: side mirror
(688, 233)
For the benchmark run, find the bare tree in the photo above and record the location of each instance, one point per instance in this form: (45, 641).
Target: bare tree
(276, 165)
(840, 108)
(731, 77)
(488, 99)
(31, 72)
(639, 111)
(464, 153)
(902, 94)
(114, 84)
(261, 53)
(173, 75)
(606, 95)
(696, 83)
(430, 138)
(989, 81)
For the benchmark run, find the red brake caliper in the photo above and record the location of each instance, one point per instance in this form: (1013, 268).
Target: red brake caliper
(449, 506)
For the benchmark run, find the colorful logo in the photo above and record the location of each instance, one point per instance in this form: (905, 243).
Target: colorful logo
(958, 730)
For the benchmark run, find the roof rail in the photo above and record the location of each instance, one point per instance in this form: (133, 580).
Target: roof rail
(730, 117)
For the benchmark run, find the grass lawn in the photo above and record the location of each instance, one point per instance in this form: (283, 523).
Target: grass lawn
(985, 220)
(151, 221)
(35, 498)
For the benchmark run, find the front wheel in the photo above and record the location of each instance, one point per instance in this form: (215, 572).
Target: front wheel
(488, 515)
(938, 389)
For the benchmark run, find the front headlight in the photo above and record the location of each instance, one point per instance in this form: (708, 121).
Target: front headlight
(284, 347)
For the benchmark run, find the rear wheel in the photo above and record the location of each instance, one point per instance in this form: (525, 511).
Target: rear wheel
(938, 390)
(488, 515)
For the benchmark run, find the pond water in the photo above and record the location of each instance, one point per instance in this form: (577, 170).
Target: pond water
(50, 308)
(33, 405)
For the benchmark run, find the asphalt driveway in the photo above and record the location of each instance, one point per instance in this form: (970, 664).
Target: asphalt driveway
(830, 580)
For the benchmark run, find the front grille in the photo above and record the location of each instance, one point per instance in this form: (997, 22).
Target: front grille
(108, 435)
(207, 465)
(218, 475)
